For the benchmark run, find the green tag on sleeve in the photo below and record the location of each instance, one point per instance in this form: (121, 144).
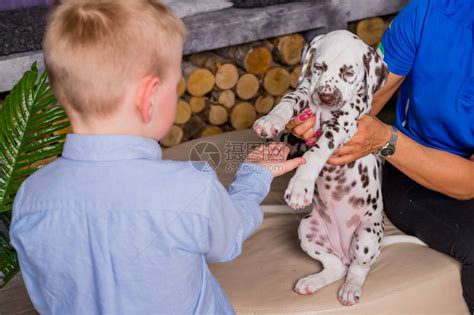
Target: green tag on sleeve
(381, 48)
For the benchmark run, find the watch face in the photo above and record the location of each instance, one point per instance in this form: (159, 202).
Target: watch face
(388, 151)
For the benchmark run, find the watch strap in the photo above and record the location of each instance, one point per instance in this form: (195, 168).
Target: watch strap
(393, 137)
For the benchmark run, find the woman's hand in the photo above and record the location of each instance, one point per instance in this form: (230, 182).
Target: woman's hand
(302, 127)
(371, 135)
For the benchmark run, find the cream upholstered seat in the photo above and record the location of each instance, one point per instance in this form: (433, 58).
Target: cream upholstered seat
(406, 279)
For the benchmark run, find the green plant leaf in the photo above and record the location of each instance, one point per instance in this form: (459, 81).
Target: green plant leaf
(8, 261)
(31, 125)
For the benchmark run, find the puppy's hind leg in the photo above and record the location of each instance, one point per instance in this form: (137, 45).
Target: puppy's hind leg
(313, 242)
(365, 248)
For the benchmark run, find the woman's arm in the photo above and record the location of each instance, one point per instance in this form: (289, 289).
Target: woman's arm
(441, 171)
(438, 170)
(383, 95)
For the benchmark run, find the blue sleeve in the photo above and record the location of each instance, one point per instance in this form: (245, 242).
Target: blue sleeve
(236, 213)
(400, 41)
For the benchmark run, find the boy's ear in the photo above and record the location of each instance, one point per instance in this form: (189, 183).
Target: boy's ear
(145, 101)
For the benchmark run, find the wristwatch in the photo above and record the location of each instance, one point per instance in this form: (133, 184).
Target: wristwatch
(388, 149)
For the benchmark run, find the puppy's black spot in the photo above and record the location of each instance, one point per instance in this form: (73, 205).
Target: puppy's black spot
(301, 104)
(366, 59)
(381, 74)
(365, 180)
(324, 66)
(366, 250)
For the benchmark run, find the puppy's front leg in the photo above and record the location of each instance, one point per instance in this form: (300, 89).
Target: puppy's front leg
(290, 106)
(300, 191)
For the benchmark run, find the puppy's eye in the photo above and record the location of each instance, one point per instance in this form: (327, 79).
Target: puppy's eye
(346, 72)
(319, 67)
(349, 74)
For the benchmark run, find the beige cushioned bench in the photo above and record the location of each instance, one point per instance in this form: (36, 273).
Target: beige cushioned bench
(406, 279)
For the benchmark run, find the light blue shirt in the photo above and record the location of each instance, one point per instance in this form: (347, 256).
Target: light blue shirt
(111, 228)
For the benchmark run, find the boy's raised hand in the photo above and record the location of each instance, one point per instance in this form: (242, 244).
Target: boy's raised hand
(273, 157)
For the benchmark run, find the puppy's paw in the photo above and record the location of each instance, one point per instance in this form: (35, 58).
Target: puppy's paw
(299, 193)
(269, 126)
(349, 294)
(308, 285)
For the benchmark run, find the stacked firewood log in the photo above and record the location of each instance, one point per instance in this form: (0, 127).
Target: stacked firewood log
(371, 30)
(229, 88)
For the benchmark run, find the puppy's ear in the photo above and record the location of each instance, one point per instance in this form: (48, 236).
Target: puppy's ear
(307, 59)
(376, 71)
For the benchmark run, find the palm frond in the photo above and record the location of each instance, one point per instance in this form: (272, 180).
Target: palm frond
(31, 122)
(8, 261)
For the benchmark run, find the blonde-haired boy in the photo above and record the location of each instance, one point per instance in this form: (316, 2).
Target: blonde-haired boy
(110, 227)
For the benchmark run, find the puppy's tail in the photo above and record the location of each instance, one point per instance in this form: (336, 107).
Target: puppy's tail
(395, 239)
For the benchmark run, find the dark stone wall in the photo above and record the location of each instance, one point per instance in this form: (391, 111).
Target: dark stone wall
(15, 4)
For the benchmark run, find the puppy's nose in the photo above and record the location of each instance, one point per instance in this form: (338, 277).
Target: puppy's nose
(326, 98)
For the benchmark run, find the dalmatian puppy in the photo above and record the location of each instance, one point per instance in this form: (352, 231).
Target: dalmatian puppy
(344, 231)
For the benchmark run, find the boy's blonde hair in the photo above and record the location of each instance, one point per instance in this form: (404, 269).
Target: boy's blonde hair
(95, 49)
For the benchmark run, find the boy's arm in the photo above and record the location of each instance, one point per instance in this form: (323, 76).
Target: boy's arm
(236, 213)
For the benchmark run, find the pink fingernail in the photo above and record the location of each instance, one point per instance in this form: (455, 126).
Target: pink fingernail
(318, 133)
(310, 142)
(303, 116)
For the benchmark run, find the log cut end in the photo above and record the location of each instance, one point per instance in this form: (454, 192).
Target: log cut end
(243, 116)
